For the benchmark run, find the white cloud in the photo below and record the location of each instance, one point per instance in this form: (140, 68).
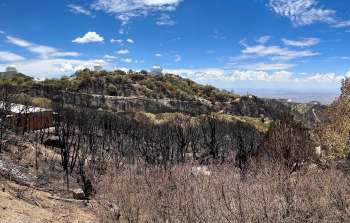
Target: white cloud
(10, 57)
(248, 75)
(125, 10)
(64, 54)
(18, 42)
(121, 31)
(49, 68)
(178, 58)
(165, 20)
(126, 60)
(342, 24)
(328, 77)
(252, 75)
(158, 55)
(45, 52)
(217, 75)
(120, 41)
(109, 57)
(200, 75)
(304, 42)
(263, 39)
(77, 9)
(306, 12)
(130, 40)
(139, 61)
(89, 37)
(123, 51)
(302, 12)
(276, 52)
(281, 75)
(268, 66)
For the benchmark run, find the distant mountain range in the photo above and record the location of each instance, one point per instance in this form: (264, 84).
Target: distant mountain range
(294, 95)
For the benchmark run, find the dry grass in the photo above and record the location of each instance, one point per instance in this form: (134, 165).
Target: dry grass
(268, 195)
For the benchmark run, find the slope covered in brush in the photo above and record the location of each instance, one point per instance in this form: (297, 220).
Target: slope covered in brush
(139, 84)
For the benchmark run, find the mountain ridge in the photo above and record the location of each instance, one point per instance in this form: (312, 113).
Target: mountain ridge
(141, 91)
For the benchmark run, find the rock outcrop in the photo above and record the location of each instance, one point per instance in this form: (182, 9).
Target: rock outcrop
(243, 106)
(16, 173)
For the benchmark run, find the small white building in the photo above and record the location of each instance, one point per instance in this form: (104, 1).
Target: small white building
(11, 70)
(156, 70)
(98, 68)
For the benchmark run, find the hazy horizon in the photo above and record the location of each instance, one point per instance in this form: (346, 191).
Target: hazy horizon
(324, 97)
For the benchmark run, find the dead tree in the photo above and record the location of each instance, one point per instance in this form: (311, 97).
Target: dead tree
(213, 133)
(289, 143)
(5, 110)
(182, 137)
(65, 127)
(246, 140)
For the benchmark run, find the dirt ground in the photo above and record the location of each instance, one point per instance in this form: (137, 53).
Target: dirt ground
(47, 199)
(24, 204)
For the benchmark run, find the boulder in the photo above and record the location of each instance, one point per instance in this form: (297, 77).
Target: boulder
(19, 174)
(201, 170)
(78, 194)
(318, 151)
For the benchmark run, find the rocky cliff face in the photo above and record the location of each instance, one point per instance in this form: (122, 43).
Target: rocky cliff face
(244, 106)
(251, 106)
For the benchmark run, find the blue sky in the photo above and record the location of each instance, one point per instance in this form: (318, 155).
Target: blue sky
(296, 44)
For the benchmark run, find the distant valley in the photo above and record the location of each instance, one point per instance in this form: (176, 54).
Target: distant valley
(296, 95)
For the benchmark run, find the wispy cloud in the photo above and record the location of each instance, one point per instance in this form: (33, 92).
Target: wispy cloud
(109, 58)
(10, 57)
(304, 42)
(158, 55)
(263, 39)
(125, 10)
(129, 40)
(342, 24)
(123, 51)
(268, 66)
(89, 37)
(306, 12)
(178, 58)
(50, 52)
(126, 60)
(44, 51)
(276, 52)
(165, 20)
(18, 41)
(120, 41)
(77, 9)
